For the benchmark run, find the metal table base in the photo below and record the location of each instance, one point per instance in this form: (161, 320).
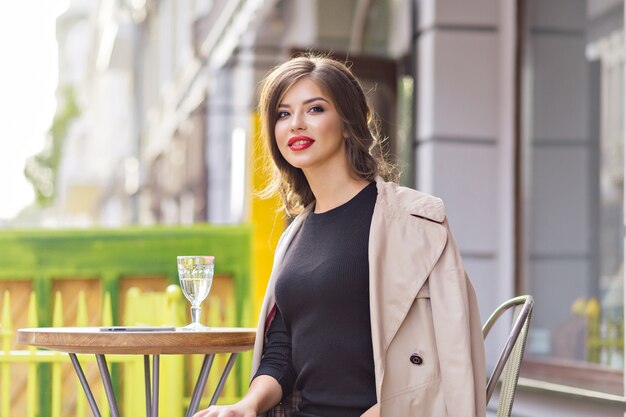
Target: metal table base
(152, 398)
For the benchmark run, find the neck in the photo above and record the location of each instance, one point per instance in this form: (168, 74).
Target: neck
(332, 190)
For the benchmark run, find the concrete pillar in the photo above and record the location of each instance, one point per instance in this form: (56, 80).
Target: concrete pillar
(458, 130)
(219, 122)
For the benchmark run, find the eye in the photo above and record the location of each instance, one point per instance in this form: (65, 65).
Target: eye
(282, 114)
(316, 109)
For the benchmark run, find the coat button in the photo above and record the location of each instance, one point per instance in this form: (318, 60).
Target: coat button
(416, 359)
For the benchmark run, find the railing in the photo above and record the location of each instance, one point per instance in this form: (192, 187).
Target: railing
(178, 372)
(604, 332)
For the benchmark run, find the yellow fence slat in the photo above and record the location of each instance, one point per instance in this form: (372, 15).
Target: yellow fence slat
(32, 383)
(81, 320)
(173, 369)
(81, 310)
(107, 320)
(57, 394)
(5, 375)
(176, 316)
(135, 404)
(107, 310)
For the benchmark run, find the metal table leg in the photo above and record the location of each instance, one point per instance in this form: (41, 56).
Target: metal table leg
(155, 385)
(207, 363)
(152, 404)
(146, 372)
(85, 384)
(108, 386)
(220, 384)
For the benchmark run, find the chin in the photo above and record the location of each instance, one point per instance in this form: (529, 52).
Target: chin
(299, 164)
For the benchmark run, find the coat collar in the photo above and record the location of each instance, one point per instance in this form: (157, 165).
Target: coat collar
(409, 201)
(406, 240)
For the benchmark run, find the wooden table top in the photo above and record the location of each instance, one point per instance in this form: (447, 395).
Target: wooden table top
(93, 340)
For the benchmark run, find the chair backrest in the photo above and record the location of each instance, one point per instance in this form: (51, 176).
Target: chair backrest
(510, 358)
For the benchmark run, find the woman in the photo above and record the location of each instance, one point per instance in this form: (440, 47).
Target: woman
(368, 310)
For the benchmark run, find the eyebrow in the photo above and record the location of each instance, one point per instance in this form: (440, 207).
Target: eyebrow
(310, 100)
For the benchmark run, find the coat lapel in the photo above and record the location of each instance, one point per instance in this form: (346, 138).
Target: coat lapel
(403, 249)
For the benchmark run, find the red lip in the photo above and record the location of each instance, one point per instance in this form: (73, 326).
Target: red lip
(297, 138)
(305, 142)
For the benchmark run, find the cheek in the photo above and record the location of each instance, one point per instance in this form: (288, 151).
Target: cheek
(279, 133)
(281, 150)
(279, 141)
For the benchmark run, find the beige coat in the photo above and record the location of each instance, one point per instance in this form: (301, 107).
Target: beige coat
(421, 303)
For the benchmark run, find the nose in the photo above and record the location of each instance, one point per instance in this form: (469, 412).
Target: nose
(297, 121)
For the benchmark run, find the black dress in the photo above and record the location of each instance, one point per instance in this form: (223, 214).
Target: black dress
(320, 339)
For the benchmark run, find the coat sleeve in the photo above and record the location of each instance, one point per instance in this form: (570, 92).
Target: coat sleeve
(458, 334)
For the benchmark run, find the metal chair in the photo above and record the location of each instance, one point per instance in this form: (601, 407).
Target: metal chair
(510, 358)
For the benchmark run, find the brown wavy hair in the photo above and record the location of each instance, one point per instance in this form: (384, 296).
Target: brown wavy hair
(346, 93)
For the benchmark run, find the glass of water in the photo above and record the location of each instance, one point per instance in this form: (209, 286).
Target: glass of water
(196, 276)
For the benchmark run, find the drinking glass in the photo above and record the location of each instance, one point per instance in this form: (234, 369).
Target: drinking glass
(196, 276)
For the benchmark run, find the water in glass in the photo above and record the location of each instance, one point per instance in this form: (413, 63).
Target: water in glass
(196, 276)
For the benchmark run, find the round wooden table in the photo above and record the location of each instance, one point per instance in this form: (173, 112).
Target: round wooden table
(147, 341)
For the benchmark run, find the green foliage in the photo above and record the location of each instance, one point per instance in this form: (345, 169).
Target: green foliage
(41, 169)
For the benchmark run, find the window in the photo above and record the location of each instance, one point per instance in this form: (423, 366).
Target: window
(572, 168)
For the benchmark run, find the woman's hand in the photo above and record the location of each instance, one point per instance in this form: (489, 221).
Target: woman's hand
(235, 410)
(374, 411)
(264, 393)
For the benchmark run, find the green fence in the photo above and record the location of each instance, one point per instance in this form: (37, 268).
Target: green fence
(40, 262)
(43, 256)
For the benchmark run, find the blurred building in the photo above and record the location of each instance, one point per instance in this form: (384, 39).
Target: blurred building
(97, 68)
(512, 111)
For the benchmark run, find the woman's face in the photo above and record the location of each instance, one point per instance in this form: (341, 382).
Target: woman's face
(308, 130)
